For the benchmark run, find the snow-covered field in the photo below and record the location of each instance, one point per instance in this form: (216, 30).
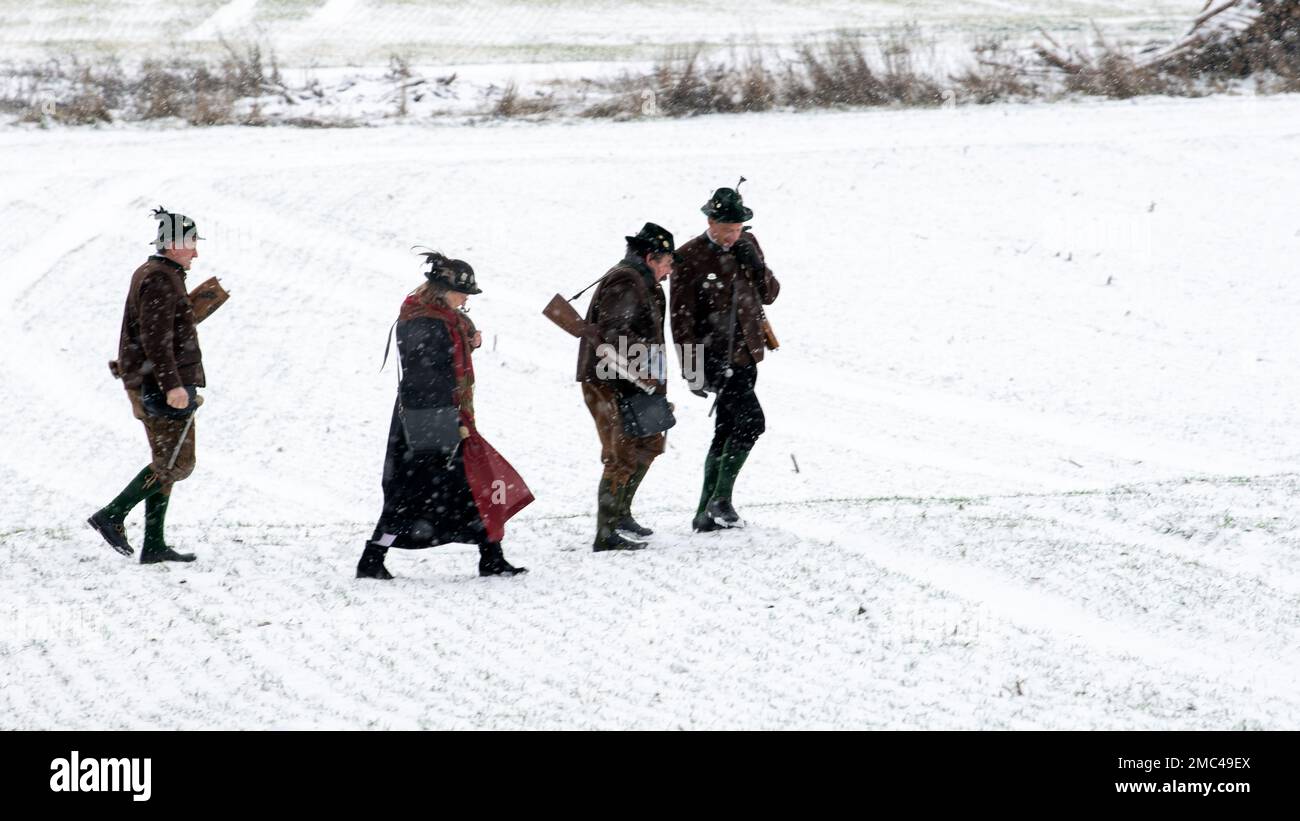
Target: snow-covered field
(1039, 373)
(384, 61)
(342, 32)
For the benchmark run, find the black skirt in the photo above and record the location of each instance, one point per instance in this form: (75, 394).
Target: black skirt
(427, 500)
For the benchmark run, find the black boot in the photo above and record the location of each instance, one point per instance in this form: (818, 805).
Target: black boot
(723, 514)
(703, 523)
(163, 554)
(625, 522)
(155, 546)
(371, 565)
(492, 562)
(629, 525)
(719, 507)
(608, 509)
(113, 531)
(618, 541)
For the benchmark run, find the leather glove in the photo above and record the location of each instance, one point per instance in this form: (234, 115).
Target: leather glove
(747, 255)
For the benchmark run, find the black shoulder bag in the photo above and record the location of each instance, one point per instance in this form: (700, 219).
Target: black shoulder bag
(645, 414)
(428, 431)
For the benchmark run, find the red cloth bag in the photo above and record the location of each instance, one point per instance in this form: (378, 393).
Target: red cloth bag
(499, 491)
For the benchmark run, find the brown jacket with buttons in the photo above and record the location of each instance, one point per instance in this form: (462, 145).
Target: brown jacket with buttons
(158, 338)
(703, 282)
(627, 310)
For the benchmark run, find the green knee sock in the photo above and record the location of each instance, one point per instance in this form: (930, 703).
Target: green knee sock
(155, 514)
(143, 486)
(733, 459)
(625, 507)
(710, 480)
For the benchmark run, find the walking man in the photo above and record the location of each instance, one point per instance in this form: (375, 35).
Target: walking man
(627, 313)
(161, 365)
(719, 289)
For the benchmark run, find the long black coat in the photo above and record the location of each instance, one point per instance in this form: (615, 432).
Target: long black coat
(427, 500)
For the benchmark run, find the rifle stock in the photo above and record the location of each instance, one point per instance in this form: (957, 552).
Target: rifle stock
(207, 298)
(769, 336)
(563, 314)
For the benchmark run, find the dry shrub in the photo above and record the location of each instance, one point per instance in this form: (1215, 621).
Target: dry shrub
(162, 89)
(834, 74)
(842, 72)
(247, 72)
(618, 107)
(512, 104)
(759, 88)
(996, 75)
(1107, 70)
(905, 82)
(1268, 45)
(97, 90)
(684, 86)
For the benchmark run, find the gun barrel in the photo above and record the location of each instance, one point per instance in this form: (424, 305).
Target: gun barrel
(622, 367)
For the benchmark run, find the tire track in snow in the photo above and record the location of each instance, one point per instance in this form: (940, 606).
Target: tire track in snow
(1036, 610)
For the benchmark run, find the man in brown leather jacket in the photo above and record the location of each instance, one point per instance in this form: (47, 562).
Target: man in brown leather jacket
(627, 311)
(160, 364)
(719, 288)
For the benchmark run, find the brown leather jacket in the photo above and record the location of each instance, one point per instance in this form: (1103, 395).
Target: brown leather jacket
(702, 288)
(627, 310)
(158, 334)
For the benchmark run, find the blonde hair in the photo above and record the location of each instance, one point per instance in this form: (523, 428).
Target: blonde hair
(431, 292)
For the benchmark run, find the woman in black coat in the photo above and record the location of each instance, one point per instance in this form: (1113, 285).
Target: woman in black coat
(431, 498)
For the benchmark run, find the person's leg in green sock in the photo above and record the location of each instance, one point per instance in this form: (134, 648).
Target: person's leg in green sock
(719, 508)
(144, 485)
(625, 519)
(746, 424)
(155, 543)
(733, 459)
(155, 518)
(110, 520)
(711, 461)
(702, 522)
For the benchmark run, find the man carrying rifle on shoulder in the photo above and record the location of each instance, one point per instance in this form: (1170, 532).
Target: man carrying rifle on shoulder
(622, 370)
(719, 288)
(161, 366)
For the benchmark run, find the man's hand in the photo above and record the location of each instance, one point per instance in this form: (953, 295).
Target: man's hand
(747, 255)
(478, 339)
(178, 398)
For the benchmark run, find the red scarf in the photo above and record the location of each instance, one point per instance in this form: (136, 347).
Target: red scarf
(499, 491)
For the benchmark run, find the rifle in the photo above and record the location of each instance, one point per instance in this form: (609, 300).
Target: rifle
(769, 335)
(207, 297)
(562, 313)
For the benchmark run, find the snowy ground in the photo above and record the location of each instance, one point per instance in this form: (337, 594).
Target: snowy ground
(1039, 374)
(343, 32)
